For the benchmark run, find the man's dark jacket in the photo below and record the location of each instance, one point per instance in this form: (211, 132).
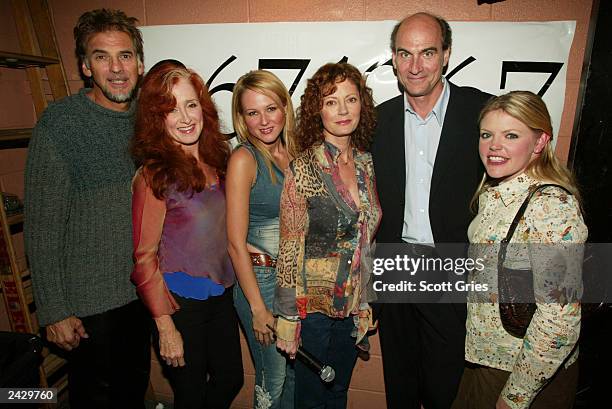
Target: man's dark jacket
(456, 174)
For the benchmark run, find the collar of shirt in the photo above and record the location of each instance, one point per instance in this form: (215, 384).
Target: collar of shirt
(439, 109)
(333, 153)
(511, 190)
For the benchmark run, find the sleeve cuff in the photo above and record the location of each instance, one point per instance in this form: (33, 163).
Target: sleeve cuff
(516, 398)
(51, 316)
(159, 302)
(287, 330)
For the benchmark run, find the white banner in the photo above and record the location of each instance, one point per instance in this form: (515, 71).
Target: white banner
(494, 57)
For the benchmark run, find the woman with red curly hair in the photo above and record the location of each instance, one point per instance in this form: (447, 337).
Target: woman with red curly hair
(183, 272)
(329, 214)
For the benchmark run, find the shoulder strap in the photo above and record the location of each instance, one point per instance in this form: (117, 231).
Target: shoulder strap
(251, 149)
(521, 210)
(246, 145)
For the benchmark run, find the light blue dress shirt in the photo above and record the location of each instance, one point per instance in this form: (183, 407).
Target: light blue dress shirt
(421, 140)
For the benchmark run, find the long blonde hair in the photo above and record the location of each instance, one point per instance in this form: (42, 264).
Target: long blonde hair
(531, 110)
(270, 85)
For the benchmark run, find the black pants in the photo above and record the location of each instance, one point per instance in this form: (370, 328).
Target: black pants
(423, 353)
(212, 375)
(110, 369)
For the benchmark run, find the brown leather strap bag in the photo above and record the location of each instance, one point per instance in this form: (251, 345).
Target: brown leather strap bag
(515, 287)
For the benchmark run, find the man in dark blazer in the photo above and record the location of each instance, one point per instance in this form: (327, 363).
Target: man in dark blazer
(427, 167)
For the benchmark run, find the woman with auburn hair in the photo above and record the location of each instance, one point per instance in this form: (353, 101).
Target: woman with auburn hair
(529, 203)
(263, 118)
(329, 214)
(182, 272)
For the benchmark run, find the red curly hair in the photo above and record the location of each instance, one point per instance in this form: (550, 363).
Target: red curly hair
(323, 83)
(164, 162)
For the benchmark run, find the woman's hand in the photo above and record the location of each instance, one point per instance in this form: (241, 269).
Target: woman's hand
(170, 342)
(288, 336)
(288, 347)
(263, 320)
(501, 404)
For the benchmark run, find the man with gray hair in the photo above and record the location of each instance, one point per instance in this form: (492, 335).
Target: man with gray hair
(78, 228)
(425, 154)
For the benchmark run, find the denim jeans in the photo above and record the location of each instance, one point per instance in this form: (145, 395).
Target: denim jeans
(274, 375)
(329, 340)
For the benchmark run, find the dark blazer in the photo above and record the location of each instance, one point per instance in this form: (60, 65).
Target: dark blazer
(457, 168)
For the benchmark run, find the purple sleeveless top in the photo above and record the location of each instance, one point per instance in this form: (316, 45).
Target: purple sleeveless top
(194, 237)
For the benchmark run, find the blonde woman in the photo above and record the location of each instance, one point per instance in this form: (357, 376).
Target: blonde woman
(263, 118)
(537, 370)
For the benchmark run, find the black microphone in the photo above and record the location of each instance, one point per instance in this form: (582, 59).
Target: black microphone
(325, 372)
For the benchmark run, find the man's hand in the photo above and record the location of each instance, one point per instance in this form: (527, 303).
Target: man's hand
(67, 333)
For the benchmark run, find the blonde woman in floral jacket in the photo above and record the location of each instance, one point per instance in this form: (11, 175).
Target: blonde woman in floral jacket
(539, 370)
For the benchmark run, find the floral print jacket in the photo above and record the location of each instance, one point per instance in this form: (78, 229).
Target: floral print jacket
(545, 241)
(325, 238)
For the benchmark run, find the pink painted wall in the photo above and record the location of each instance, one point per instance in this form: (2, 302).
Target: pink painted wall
(16, 110)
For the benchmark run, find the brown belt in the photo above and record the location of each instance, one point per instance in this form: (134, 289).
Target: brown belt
(262, 260)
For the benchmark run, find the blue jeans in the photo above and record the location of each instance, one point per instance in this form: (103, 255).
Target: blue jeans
(274, 375)
(329, 340)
